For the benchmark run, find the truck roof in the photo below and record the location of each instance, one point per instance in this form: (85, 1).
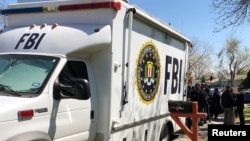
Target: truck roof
(62, 9)
(62, 21)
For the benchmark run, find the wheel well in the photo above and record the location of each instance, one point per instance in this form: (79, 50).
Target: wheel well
(29, 136)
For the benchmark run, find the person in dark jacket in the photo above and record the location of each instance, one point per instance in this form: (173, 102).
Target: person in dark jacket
(208, 99)
(228, 103)
(190, 91)
(201, 101)
(240, 106)
(215, 104)
(194, 94)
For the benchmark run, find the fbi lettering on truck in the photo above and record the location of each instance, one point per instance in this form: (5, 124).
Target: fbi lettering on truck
(174, 74)
(30, 40)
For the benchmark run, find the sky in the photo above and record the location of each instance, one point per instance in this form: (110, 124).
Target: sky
(193, 18)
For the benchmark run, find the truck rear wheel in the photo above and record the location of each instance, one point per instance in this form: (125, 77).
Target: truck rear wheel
(166, 133)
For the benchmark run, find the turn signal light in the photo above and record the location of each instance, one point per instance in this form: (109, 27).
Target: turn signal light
(25, 114)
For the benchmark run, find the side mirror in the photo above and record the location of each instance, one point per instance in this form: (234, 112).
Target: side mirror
(83, 89)
(80, 90)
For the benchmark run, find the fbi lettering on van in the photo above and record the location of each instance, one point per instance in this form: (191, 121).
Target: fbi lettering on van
(30, 40)
(175, 74)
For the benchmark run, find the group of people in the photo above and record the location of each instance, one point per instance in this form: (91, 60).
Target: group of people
(232, 105)
(201, 94)
(214, 104)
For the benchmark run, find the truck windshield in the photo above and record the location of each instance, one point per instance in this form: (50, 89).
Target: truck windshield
(22, 75)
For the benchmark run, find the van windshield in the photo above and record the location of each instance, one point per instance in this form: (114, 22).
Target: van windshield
(22, 75)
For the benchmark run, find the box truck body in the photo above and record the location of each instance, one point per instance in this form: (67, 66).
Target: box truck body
(88, 70)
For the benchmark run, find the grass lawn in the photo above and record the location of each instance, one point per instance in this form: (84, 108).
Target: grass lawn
(247, 110)
(247, 114)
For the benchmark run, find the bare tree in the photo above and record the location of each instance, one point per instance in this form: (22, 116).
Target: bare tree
(231, 52)
(243, 61)
(231, 13)
(199, 58)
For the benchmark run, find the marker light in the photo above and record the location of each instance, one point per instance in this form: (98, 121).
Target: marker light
(32, 26)
(97, 30)
(54, 26)
(25, 114)
(114, 5)
(42, 26)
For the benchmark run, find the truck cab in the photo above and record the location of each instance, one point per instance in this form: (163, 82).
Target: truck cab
(47, 81)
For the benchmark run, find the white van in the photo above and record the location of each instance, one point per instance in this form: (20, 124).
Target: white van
(100, 70)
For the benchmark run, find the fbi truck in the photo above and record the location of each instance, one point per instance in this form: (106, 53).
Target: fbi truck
(88, 70)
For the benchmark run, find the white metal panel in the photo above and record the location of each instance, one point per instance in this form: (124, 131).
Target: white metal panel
(137, 117)
(102, 73)
(62, 18)
(65, 40)
(9, 115)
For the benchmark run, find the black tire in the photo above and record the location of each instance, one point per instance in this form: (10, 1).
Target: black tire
(166, 134)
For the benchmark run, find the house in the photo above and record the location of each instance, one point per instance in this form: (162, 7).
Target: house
(226, 79)
(223, 81)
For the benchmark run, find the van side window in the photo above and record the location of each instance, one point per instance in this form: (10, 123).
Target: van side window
(73, 70)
